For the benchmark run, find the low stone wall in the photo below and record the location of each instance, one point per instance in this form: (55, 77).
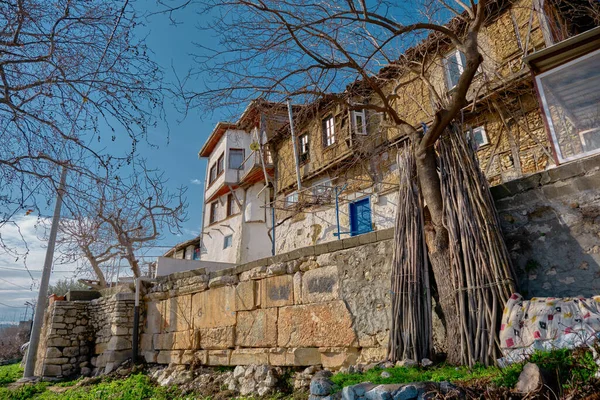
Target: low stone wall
(65, 342)
(551, 223)
(112, 323)
(327, 304)
(86, 337)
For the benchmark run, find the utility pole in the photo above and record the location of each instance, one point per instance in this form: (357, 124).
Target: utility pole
(294, 144)
(38, 317)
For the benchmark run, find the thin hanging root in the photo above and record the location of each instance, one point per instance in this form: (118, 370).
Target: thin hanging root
(481, 267)
(410, 331)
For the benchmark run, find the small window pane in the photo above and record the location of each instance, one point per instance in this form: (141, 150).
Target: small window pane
(213, 174)
(329, 131)
(291, 199)
(360, 125)
(213, 212)
(454, 65)
(220, 164)
(227, 241)
(236, 158)
(479, 137)
(303, 148)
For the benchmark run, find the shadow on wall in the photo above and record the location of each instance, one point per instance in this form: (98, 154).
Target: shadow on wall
(553, 233)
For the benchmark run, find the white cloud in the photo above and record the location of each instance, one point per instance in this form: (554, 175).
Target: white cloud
(196, 182)
(24, 247)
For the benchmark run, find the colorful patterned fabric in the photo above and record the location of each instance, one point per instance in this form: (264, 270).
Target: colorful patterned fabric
(546, 323)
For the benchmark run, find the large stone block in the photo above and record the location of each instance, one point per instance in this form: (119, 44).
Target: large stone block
(217, 338)
(52, 370)
(179, 313)
(150, 356)
(163, 341)
(169, 357)
(155, 312)
(277, 291)
(245, 296)
(256, 328)
(146, 342)
(219, 357)
(319, 285)
(214, 308)
(315, 325)
(249, 356)
(295, 356)
(118, 343)
(338, 357)
(183, 340)
(372, 354)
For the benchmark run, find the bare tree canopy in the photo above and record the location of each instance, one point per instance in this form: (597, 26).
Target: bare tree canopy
(70, 72)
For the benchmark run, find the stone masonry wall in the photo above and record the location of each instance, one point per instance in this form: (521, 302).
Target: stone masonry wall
(327, 304)
(112, 323)
(551, 223)
(65, 342)
(86, 337)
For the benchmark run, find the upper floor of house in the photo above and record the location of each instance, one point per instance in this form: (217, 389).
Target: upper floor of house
(503, 116)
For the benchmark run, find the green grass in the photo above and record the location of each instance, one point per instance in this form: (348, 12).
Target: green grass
(10, 373)
(570, 367)
(135, 387)
(407, 375)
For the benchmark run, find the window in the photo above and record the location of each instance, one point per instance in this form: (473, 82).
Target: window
(303, 148)
(268, 156)
(227, 241)
(230, 204)
(236, 158)
(479, 137)
(291, 199)
(213, 212)
(359, 122)
(454, 65)
(213, 174)
(322, 191)
(570, 95)
(221, 164)
(329, 131)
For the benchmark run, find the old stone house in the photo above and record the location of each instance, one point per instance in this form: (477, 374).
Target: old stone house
(346, 155)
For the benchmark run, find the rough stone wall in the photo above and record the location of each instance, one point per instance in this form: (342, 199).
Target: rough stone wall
(327, 304)
(86, 337)
(112, 324)
(551, 223)
(65, 342)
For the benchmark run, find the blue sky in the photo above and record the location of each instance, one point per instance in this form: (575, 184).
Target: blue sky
(177, 157)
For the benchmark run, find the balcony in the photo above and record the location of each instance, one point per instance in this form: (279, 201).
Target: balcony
(251, 170)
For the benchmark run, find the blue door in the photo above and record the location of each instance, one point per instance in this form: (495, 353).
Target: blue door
(360, 217)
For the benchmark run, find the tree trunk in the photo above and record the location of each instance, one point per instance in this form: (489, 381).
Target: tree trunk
(99, 274)
(436, 236)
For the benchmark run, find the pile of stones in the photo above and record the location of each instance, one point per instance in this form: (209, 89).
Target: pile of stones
(253, 379)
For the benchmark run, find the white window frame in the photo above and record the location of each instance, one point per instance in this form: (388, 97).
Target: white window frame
(362, 129)
(291, 199)
(483, 135)
(304, 146)
(225, 240)
(456, 54)
(329, 131)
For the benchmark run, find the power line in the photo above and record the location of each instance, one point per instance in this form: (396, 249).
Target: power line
(12, 283)
(6, 305)
(34, 270)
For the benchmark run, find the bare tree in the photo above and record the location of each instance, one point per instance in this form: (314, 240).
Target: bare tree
(88, 238)
(138, 210)
(69, 70)
(312, 50)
